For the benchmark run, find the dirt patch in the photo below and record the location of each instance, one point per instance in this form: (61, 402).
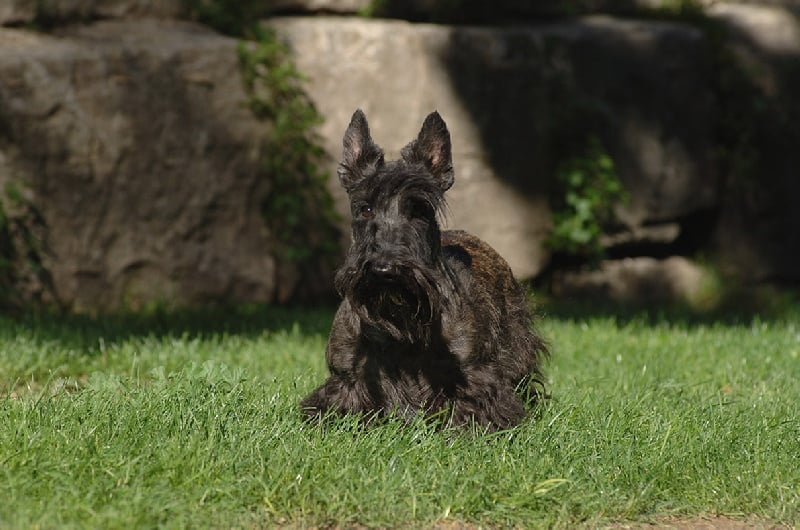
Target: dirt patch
(709, 522)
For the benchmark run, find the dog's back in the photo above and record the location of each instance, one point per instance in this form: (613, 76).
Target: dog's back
(499, 300)
(482, 261)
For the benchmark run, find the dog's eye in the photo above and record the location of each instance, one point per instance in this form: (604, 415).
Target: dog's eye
(418, 209)
(366, 212)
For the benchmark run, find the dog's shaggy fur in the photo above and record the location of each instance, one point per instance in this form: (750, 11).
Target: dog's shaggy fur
(430, 321)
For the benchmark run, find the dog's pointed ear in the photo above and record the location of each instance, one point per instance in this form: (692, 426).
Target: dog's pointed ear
(432, 148)
(361, 156)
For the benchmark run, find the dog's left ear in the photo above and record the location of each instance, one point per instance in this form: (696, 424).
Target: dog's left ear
(432, 148)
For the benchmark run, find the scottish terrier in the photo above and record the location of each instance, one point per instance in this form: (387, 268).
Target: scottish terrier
(432, 322)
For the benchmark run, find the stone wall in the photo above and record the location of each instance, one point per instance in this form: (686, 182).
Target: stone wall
(135, 148)
(19, 12)
(129, 162)
(699, 117)
(505, 94)
(756, 236)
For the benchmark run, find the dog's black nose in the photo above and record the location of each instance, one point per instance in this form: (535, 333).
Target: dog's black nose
(383, 269)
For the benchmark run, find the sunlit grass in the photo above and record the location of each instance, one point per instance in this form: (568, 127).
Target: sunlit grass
(192, 421)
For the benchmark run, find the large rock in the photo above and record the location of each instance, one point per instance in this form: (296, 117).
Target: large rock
(642, 280)
(793, 5)
(757, 234)
(133, 143)
(25, 11)
(767, 28)
(511, 97)
(469, 11)
(17, 11)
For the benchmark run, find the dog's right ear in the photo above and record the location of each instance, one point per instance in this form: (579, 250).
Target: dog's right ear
(361, 156)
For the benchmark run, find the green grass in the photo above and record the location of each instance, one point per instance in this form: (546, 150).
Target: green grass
(191, 420)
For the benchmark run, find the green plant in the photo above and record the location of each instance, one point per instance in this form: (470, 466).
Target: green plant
(5, 255)
(20, 249)
(298, 206)
(232, 17)
(683, 9)
(374, 8)
(587, 190)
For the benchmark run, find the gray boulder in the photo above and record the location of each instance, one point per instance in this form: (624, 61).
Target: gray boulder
(469, 11)
(25, 11)
(642, 280)
(756, 235)
(133, 145)
(17, 11)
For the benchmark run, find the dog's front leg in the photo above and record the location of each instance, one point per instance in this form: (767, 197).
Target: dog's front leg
(345, 390)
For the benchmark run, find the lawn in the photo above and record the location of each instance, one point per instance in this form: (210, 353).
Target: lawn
(191, 420)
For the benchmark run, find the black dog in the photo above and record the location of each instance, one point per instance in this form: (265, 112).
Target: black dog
(431, 321)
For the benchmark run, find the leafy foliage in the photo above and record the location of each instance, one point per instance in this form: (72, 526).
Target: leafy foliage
(6, 278)
(22, 277)
(588, 189)
(299, 207)
(232, 17)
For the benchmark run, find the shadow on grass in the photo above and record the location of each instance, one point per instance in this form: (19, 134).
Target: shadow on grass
(82, 331)
(247, 320)
(735, 308)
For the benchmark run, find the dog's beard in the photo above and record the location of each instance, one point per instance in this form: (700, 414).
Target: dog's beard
(404, 307)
